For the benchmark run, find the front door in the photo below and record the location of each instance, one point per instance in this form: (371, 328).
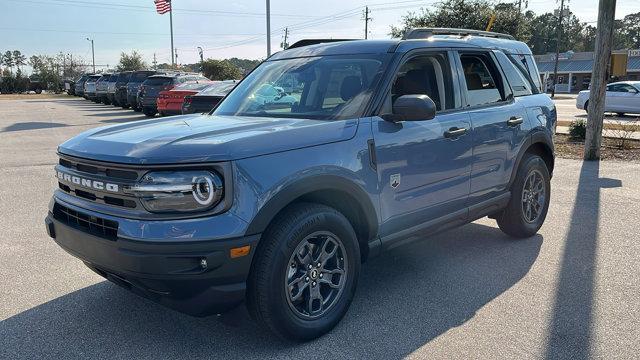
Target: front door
(423, 166)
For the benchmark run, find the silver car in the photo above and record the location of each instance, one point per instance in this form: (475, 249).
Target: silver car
(622, 97)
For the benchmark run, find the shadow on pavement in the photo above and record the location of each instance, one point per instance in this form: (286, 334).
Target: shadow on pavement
(32, 125)
(405, 298)
(123, 120)
(111, 114)
(570, 335)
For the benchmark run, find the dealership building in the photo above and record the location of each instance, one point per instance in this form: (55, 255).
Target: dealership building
(575, 68)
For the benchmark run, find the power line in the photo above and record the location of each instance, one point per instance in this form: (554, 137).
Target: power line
(150, 9)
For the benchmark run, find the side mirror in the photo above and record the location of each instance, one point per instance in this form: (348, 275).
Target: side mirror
(412, 108)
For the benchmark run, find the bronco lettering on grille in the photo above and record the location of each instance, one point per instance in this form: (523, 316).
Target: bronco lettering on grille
(87, 183)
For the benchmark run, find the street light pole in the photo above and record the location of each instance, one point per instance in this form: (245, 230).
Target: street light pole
(201, 52)
(93, 55)
(268, 28)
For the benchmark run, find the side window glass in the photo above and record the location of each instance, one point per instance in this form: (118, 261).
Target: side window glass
(482, 79)
(628, 88)
(515, 74)
(425, 75)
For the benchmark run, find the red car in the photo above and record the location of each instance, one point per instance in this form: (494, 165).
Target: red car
(170, 101)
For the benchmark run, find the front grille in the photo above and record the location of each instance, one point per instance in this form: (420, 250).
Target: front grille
(106, 229)
(101, 172)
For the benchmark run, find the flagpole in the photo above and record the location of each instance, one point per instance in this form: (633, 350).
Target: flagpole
(173, 61)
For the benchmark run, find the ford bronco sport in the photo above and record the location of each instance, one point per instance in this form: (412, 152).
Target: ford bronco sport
(278, 202)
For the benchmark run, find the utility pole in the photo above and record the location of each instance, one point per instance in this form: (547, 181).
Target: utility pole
(597, 93)
(558, 35)
(285, 44)
(175, 65)
(268, 28)
(201, 52)
(173, 61)
(155, 62)
(93, 55)
(366, 21)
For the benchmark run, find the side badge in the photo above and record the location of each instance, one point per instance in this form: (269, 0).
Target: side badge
(394, 180)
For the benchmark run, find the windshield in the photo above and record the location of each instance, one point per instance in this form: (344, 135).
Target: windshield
(218, 89)
(192, 86)
(326, 88)
(140, 76)
(158, 81)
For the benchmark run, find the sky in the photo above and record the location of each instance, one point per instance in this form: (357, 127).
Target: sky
(223, 28)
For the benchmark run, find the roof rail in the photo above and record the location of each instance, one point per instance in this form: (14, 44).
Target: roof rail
(307, 42)
(423, 33)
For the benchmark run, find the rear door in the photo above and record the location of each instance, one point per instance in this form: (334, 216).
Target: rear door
(497, 123)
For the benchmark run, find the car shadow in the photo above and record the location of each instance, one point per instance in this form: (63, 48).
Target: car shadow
(123, 120)
(32, 125)
(405, 298)
(111, 114)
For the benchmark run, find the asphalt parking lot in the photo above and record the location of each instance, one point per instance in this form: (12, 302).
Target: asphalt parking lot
(570, 292)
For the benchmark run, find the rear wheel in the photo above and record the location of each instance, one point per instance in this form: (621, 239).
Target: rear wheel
(586, 106)
(529, 203)
(305, 272)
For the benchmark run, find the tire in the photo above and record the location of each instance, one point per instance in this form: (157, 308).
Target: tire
(586, 106)
(124, 106)
(515, 220)
(149, 112)
(38, 91)
(136, 109)
(270, 301)
(620, 114)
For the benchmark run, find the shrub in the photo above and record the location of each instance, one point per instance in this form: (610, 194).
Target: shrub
(578, 130)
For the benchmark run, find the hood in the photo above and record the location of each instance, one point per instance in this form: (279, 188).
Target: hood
(203, 138)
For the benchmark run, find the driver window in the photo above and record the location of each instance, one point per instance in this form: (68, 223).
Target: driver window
(425, 75)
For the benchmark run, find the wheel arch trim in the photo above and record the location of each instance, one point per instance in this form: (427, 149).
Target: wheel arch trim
(309, 185)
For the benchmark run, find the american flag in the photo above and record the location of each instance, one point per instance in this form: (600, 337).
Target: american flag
(162, 6)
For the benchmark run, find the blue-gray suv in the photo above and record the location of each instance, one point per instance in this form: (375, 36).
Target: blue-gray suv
(325, 155)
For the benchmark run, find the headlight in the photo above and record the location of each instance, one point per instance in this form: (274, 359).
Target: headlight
(181, 191)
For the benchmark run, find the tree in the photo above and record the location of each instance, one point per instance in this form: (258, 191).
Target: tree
(245, 65)
(7, 60)
(19, 59)
(131, 62)
(220, 70)
(474, 14)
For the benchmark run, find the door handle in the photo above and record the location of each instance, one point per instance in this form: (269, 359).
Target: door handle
(515, 121)
(454, 132)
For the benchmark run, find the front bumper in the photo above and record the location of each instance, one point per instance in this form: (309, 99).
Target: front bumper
(168, 272)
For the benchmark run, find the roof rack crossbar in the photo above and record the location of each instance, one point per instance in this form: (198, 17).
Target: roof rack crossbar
(423, 33)
(307, 42)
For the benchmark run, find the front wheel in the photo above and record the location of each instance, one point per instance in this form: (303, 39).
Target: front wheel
(529, 203)
(305, 272)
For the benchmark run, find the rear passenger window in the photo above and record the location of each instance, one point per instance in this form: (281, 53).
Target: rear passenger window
(516, 76)
(484, 84)
(425, 75)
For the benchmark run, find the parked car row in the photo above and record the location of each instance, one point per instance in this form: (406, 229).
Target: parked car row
(153, 91)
